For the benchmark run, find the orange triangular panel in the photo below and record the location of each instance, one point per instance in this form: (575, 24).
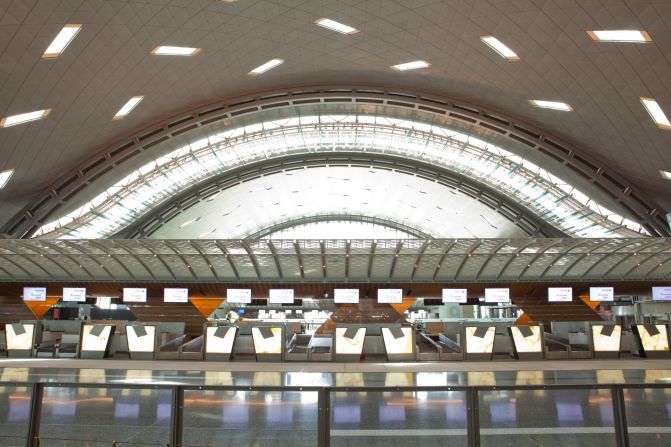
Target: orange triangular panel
(39, 308)
(206, 305)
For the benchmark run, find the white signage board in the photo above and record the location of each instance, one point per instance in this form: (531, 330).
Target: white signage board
(388, 296)
(346, 296)
(497, 295)
(34, 294)
(281, 296)
(661, 293)
(134, 295)
(241, 296)
(175, 295)
(77, 294)
(560, 294)
(601, 293)
(455, 296)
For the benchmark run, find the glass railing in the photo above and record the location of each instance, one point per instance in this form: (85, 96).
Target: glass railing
(89, 414)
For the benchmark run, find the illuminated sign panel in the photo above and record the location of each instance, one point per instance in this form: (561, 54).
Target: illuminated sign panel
(497, 295)
(606, 338)
(388, 296)
(95, 337)
(76, 294)
(134, 295)
(601, 293)
(267, 340)
(349, 340)
(653, 337)
(527, 338)
(175, 295)
(20, 336)
(281, 296)
(220, 339)
(141, 338)
(480, 339)
(240, 296)
(560, 294)
(661, 293)
(34, 294)
(397, 340)
(346, 296)
(455, 296)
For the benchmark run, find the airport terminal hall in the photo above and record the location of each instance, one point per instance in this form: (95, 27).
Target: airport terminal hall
(335, 223)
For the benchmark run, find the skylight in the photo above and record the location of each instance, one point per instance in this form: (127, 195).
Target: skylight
(554, 105)
(656, 113)
(414, 65)
(24, 118)
(627, 36)
(5, 176)
(265, 67)
(128, 107)
(175, 51)
(61, 41)
(498, 46)
(336, 26)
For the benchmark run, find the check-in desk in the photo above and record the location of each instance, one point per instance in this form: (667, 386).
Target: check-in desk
(427, 349)
(142, 341)
(653, 340)
(268, 342)
(320, 348)
(479, 342)
(348, 342)
(580, 344)
(606, 340)
(399, 343)
(298, 348)
(21, 338)
(219, 341)
(527, 341)
(95, 340)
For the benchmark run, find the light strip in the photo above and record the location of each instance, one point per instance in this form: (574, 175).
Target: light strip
(498, 46)
(164, 50)
(61, 41)
(128, 107)
(24, 118)
(5, 176)
(336, 26)
(656, 113)
(627, 36)
(665, 174)
(414, 65)
(265, 67)
(554, 105)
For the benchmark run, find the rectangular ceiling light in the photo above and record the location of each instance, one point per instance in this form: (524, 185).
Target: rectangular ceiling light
(665, 174)
(554, 105)
(163, 50)
(265, 67)
(656, 113)
(5, 176)
(623, 35)
(498, 46)
(336, 26)
(414, 65)
(24, 118)
(62, 40)
(128, 107)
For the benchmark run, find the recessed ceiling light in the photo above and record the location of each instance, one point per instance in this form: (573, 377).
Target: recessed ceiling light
(163, 50)
(24, 118)
(414, 65)
(128, 107)
(61, 41)
(498, 46)
(5, 176)
(189, 222)
(622, 35)
(665, 174)
(656, 113)
(554, 105)
(265, 67)
(336, 26)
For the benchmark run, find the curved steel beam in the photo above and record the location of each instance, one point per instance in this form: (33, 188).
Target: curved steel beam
(525, 219)
(642, 208)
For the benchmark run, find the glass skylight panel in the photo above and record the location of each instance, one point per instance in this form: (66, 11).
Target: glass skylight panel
(414, 65)
(175, 51)
(128, 107)
(5, 176)
(265, 67)
(627, 36)
(656, 113)
(21, 118)
(336, 26)
(498, 46)
(554, 105)
(61, 41)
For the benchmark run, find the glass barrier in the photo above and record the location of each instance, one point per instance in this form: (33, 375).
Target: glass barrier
(14, 414)
(648, 412)
(260, 418)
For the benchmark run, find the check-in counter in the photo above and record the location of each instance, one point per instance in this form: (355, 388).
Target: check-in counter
(192, 349)
(142, 341)
(580, 345)
(95, 340)
(348, 341)
(268, 343)
(527, 342)
(170, 349)
(653, 340)
(219, 341)
(298, 348)
(427, 349)
(399, 343)
(479, 342)
(320, 348)
(606, 340)
(21, 339)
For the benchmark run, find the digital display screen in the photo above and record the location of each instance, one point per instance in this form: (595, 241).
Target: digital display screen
(601, 293)
(240, 296)
(220, 339)
(134, 295)
(389, 296)
(34, 294)
(397, 340)
(95, 337)
(281, 296)
(346, 296)
(480, 339)
(175, 295)
(76, 294)
(661, 293)
(267, 340)
(606, 338)
(141, 338)
(560, 294)
(527, 338)
(455, 296)
(349, 340)
(497, 295)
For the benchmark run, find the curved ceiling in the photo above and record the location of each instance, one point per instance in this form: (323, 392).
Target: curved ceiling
(109, 61)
